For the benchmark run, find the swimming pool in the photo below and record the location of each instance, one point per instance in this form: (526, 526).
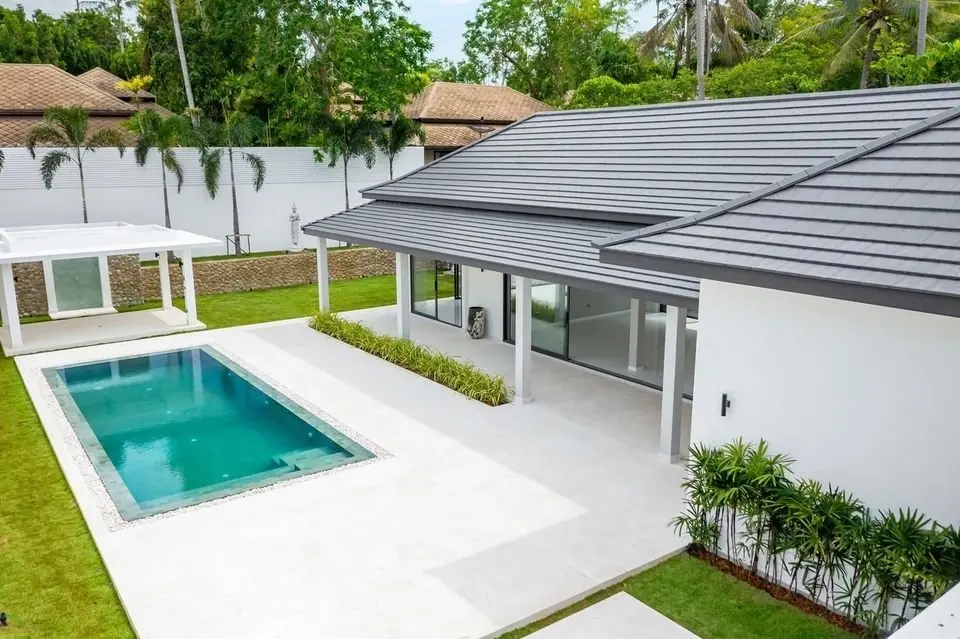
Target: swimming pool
(173, 429)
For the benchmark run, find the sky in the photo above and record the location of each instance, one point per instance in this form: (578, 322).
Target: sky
(443, 18)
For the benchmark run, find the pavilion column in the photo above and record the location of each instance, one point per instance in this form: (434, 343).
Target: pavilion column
(48, 284)
(638, 319)
(11, 315)
(523, 341)
(165, 296)
(674, 355)
(189, 292)
(323, 276)
(403, 295)
(105, 290)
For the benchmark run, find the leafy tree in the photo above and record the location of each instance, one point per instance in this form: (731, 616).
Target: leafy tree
(163, 134)
(940, 63)
(543, 48)
(346, 136)
(66, 129)
(397, 136)
(447, 70)
(238, 130)
(607, 92)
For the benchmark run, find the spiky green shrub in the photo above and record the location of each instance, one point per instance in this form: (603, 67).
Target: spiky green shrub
(743, 502)
(463, 377)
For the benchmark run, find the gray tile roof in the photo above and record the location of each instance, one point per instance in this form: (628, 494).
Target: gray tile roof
(646, 164)
(879, 225)
(543, 247)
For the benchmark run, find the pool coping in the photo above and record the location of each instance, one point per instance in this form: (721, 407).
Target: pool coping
(104, 498)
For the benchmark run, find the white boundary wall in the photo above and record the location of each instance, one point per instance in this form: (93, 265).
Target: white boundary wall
(118, 190)
(864, 397)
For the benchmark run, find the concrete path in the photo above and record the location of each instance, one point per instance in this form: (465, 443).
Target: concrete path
(619, 617)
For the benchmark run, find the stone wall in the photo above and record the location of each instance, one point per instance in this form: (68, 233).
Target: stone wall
(289, 269)
(131, 283)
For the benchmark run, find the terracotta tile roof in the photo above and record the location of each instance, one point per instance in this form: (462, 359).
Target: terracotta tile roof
(33, 88)
(107, 82)
(153, 106)
(452, 136)
(14, 128)
(452, 101)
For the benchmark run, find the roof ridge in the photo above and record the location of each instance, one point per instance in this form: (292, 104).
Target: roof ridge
(791, 180)
(920, 88)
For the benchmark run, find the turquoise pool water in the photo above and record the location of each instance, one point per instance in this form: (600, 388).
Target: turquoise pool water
(172, 429)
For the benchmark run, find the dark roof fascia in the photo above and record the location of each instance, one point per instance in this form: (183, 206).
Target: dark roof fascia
(827, 165)
(529, 209)
(910, 300)
(674, 300)
(786, 97)
(100, 113)
(464, 121)
(449, 155)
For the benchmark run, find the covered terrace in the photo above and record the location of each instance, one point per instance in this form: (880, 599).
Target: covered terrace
(76, 278)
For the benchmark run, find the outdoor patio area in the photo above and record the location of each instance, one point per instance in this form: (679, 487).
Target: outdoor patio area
(471, 521)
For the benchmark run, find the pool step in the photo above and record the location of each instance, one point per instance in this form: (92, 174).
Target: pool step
(310, 458)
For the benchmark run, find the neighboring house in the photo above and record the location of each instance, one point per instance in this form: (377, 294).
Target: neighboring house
(858, 387)
(830, 316)
(107, 82)
(27, 90)
(454, 115)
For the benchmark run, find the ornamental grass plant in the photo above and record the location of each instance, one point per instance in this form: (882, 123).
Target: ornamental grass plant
(463, 377)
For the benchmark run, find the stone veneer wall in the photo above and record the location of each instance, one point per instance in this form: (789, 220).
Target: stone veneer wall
(131, 283)
(288, 269)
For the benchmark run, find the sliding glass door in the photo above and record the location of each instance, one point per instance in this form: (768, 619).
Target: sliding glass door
(549, 310)
(436, 289)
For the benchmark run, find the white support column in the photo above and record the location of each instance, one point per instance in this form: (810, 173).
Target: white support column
(674, 355)
(165, 297)
(3, 306)
(638, 318)
(523, 342)
(105, 291)
(48, 285)
(403, 295)
(323, 276)
(11, 315)
(189, 292)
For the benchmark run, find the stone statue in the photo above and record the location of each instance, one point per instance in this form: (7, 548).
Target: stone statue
(295, 246)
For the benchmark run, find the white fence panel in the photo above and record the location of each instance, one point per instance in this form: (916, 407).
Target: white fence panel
(120, 190)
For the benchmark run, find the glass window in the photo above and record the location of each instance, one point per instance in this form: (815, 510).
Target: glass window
(436, 289)
(549, 310)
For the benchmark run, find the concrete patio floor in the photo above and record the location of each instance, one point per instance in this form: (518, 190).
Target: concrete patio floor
(478, 519)
(54, 335)
(617, 617)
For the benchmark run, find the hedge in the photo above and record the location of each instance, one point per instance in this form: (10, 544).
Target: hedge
(463, 377)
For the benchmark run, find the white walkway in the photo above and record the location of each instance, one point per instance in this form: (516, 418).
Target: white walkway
(617, 617)
(477, 520)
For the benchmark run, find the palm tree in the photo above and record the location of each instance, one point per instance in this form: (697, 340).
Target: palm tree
(347, 136)
(237, 131)
(163, 134)
(65, 129)
(864, 22)
(188, 90)
(395, 138)
(922, 27)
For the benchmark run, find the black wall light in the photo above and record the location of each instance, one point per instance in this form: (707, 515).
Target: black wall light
(724, 405)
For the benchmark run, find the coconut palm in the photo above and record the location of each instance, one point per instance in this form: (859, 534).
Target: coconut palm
(864, 21)
(237, 131)
(395, 138)
(347, 136)
(66, 129)
(163, 134)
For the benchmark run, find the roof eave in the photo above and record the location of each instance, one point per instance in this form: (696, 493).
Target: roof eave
(910, 300)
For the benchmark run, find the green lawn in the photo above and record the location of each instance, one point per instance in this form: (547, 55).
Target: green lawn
(710, 603)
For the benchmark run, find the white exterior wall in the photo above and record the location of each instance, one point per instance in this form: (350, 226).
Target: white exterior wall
(483, 287)
(120, 190)
(861, 396)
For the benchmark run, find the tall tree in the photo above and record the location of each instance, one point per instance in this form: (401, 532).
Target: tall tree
(237, 131)
(154, 131)
(66, 130)
(347, 136)
(398, 135)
